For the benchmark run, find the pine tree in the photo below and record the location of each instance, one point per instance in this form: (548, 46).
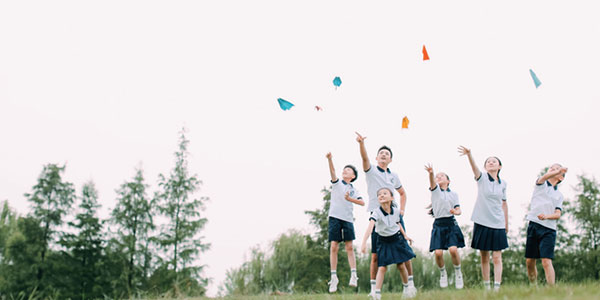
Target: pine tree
(179, 236)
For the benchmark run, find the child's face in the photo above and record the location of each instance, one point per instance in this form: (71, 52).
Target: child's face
(384, 156)
(348, 174)
(384, 196)
(492, 164)
(441, 179)
(554, 168)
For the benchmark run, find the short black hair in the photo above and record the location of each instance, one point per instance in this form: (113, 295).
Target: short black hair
(384, 147)
(354, 170)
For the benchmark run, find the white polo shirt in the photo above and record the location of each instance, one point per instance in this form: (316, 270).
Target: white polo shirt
(442, 201)
(339, 207)
(378, 178)
(386, 224)
(488, 207)
(546, 200)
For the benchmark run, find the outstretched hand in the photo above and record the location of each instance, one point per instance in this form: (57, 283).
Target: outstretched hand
(363, 248)
(464, 150)
(328, 155)
(360, 138)
(429, 168)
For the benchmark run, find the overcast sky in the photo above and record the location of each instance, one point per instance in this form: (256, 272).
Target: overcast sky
(105, 86)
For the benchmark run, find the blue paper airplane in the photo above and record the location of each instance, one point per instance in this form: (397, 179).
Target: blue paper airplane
(535, 79)
(337, 82)
(285, 105)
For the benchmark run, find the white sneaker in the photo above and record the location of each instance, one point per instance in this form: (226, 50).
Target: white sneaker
(333, 284)
(353, 281)
(443, 279)
(458, 280)
(496, 288)
(407, 293)
(412, 290)
(374, 296)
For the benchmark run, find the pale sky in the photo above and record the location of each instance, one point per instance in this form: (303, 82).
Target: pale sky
(106, 85)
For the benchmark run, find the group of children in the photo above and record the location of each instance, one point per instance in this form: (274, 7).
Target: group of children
(390, 244)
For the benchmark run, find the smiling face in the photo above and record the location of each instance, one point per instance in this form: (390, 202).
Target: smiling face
(442, 179)
(384, 196)
(492, 164)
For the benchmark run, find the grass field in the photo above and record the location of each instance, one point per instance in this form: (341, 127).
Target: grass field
(562, 291)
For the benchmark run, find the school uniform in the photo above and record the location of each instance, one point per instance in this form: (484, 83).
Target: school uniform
(341, 219)
(392, 248)
(445, 232)
(489, 230)
(541, 234)
(378, 178)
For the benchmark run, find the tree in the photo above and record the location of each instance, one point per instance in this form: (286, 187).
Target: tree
(133, 215)
(85, 247)
(51, 198)
(179, 236)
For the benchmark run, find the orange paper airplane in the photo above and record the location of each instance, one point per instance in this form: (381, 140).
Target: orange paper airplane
(425, 55)
(405, 123)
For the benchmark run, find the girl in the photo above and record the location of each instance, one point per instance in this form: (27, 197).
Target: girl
(490, 216)
(392, 246)
(445, 235)
(544, 211)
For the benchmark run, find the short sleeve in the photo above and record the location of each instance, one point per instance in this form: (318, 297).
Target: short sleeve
(559, 203)
(480, 179)
(504, 192)
(357, 194)
(398, 184)
(374, 216)
(455, 202)
(538, 185)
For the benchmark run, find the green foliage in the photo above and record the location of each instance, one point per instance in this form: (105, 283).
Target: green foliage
(179, 236)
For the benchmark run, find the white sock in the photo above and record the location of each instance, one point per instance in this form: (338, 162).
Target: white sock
(333, 273)
(496, 285)
(410, 280)
(442, 270)
(486, 284)
(353, 272)
(373, 282)
(457, 268)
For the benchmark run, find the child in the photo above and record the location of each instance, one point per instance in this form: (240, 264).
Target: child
(379, 177)
(544, 211)
(490, 216)
(343, 194)
(392, 247)
(445, 235)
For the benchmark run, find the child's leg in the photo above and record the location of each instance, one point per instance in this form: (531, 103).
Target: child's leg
(454, 255)
(485, 265)
(350, 252)
(373, 268)
(531, 269)
(548, 270)
(439, 258)
(403, 273)
(333, 254)
(379, 277)
(409, 269)
(497, 258)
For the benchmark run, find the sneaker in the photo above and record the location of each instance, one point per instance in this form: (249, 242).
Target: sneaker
(333, 284)
(412, 290)
(458, 280)
(407, 293)
(374, 296)
(353, 281)
(443, 280)
(496, 288)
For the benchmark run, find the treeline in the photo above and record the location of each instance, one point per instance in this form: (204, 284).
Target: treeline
(299, 263)
(148, 245)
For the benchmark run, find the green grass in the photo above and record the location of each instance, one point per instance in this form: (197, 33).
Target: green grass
(561, 291)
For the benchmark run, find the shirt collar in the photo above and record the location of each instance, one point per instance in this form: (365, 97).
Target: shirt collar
(492, 178)
(550, 184)
(382, 170)
(385, 213)
(445, 190)
(346, 183)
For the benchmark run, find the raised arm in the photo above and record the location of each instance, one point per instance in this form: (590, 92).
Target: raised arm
(551, 174)
(555, 216)
(363, 247)
(429, 169)
(363, 151)
(331, 167)
(464, 151)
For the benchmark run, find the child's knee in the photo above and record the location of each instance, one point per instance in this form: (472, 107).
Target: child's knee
(546, 263)
(453, 251)
(439, 253)
(348, 246)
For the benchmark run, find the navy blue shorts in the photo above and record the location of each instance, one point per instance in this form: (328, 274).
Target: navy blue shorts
(540, 241)
(488, 239)
(340, 230)
(393, 250)
(375, 235)
(445, 234)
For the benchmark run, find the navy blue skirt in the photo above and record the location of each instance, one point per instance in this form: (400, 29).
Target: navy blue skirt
(393, 249)
(488, 239)
(445, 234)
